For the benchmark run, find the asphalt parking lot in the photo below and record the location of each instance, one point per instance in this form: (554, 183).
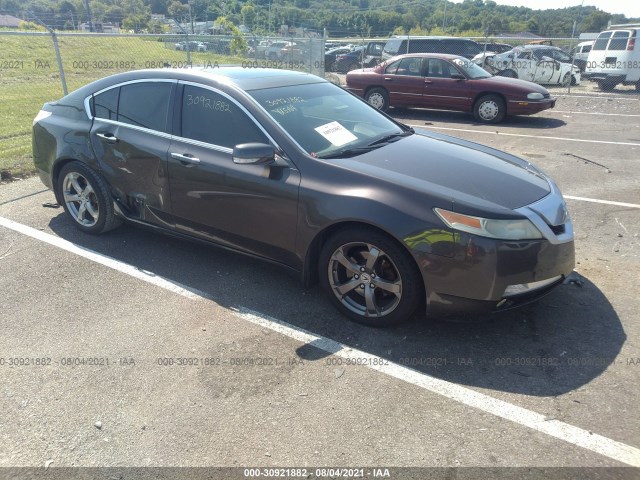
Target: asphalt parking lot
(133, 349)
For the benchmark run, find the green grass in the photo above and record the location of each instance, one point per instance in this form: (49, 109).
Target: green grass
(29, 77)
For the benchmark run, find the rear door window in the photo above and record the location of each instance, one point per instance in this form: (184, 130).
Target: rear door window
(410, 67)
(145, 104)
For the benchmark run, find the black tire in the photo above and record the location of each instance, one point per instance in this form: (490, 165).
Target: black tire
(378, 98)
(566, 80)
(574, 80)
(606, 85)
(85, 196)
(489, 109)
(508, 74)
(351, 263)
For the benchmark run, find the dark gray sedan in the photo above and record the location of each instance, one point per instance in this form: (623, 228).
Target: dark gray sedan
(290, 168)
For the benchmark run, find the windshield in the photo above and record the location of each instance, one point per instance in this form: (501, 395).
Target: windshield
(470, 69)
(324, 119)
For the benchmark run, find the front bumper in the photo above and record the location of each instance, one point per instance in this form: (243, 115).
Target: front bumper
(528, 107)
(479, 274)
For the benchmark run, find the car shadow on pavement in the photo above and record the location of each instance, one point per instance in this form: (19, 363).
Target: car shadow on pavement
(435, 117)
(562, 342)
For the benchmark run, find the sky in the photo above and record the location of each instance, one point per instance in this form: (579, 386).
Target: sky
(631, 8)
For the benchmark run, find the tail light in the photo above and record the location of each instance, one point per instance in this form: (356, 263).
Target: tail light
(632, 43)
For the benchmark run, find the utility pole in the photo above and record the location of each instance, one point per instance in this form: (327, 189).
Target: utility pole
(86, 6)
(444, 18)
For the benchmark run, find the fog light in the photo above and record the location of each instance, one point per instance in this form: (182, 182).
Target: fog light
(521, 288)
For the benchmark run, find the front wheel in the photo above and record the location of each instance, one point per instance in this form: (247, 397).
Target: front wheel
(566, 80)
(85, 197)
(369, 277)
(378, 98)
(489, 109)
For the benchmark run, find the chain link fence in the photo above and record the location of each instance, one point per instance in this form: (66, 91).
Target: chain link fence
(37, 67)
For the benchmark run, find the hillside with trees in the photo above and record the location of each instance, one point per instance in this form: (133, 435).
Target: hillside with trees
(340, 18)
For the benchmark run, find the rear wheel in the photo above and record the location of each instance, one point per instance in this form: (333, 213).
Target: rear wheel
(606, 85)
(378, 98)
(85, 197)
(369, 277)
(489, 109)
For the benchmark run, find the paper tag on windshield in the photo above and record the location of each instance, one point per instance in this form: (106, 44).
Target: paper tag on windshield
(336, 134)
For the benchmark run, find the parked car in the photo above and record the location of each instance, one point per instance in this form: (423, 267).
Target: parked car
(287, 167)
(330, 57)
(363, 56)
(273, 51)
(541, 64)
(447, 82)
(495, 47)
(399, 45)
(615, 57)
(581, 54)
(193, 46)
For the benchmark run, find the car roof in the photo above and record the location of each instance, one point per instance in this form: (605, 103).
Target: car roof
(241, 78)
(443, 56)
(430, 37)
(538, 47)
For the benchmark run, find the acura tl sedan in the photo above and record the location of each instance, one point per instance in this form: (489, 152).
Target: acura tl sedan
(287, 167)
(447, 82)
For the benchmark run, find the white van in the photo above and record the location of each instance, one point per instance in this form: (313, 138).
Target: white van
(615, 57)
(581, 54)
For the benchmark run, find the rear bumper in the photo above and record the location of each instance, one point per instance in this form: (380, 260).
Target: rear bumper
(604, 77)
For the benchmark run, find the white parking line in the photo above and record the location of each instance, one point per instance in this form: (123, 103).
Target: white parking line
(539, 137)
(596, 443)
(597, 95)
(605, 202)
(596, 113)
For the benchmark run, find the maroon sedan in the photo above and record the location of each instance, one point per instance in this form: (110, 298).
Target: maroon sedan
(447, 82)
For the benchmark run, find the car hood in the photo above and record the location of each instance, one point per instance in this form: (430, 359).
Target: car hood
(525, 85)
(455, 170)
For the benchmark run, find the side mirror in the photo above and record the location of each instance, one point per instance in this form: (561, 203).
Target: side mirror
(458, 76)
(253, 153)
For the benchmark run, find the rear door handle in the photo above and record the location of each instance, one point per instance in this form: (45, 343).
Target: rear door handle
(428, 81)
(387, 79)
(185, 158)
(107, 137)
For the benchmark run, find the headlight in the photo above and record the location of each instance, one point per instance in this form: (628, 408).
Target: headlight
(535, 96)
(486, 227)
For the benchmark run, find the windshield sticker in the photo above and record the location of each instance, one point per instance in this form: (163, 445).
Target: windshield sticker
(284, 110)
(284, 101)
(336, 134)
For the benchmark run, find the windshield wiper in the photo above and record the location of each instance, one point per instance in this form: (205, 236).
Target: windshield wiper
(388, 138)
(350, 152)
